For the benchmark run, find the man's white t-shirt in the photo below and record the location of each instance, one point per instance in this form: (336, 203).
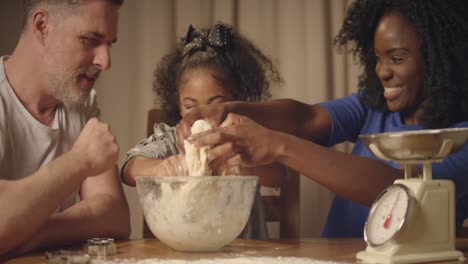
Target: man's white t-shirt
(26, 144)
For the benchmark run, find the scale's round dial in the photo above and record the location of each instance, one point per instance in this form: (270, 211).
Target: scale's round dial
(389, 213)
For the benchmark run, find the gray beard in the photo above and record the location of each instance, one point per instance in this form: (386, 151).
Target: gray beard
(69, 95)
(63, 85)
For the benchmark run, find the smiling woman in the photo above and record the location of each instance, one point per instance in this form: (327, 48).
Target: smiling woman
(413, 54)
(398, 65)
(418, 49)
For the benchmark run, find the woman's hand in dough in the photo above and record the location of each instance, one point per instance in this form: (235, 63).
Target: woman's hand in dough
(239, 141)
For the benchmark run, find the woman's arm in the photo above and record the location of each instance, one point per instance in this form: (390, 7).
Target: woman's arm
(310, 122)
(247, 143)
(269, 175)
(353, 177)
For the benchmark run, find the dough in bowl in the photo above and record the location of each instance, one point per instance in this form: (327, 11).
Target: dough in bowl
(196, 158)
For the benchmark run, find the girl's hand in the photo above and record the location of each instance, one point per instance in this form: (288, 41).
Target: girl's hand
(172, 166)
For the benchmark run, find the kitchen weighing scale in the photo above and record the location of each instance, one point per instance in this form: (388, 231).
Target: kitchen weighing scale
(413, 220)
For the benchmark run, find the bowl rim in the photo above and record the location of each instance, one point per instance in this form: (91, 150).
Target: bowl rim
(195, 178)
(414, 132)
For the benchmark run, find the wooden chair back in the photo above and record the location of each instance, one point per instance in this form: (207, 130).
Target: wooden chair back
(284, 208)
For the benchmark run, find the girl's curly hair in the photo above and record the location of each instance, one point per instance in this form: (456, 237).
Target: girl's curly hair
(442, 31)
(246, 71)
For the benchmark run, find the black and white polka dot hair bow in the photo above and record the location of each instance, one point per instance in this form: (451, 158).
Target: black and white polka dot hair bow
(219, 36)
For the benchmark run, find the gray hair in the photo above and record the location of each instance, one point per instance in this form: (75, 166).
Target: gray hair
(30, 5)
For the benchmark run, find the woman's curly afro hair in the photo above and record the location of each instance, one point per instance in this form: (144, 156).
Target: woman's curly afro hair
(442, 31)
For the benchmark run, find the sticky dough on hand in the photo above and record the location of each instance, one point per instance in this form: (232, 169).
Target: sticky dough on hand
(196, 158)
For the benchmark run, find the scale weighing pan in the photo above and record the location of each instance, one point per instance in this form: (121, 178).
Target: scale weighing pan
(413, 220)
(431, 144)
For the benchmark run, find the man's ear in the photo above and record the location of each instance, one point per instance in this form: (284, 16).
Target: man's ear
(40, 24)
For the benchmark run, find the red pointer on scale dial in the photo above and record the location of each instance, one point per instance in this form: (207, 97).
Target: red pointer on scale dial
(389, 216)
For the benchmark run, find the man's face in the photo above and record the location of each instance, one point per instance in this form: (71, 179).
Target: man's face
(77, 50)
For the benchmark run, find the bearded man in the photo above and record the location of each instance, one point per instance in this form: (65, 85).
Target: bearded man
(58, 175)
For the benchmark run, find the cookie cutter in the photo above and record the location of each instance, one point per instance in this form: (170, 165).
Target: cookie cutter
(100, 247)
(67, 257)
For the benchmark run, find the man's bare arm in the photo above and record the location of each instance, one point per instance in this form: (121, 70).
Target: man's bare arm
(102, 212)
(28, 203)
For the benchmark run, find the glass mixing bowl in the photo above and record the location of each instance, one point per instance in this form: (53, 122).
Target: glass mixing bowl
(198, 213)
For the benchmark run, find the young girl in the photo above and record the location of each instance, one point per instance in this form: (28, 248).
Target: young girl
(210, 66)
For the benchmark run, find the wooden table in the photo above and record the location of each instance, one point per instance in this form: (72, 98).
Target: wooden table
(343, 250)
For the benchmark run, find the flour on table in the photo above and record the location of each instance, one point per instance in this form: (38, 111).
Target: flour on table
(239, 260)
(196, 158)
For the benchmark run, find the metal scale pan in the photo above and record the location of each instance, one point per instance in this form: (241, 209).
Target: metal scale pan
(413, 220)
(418, 145)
